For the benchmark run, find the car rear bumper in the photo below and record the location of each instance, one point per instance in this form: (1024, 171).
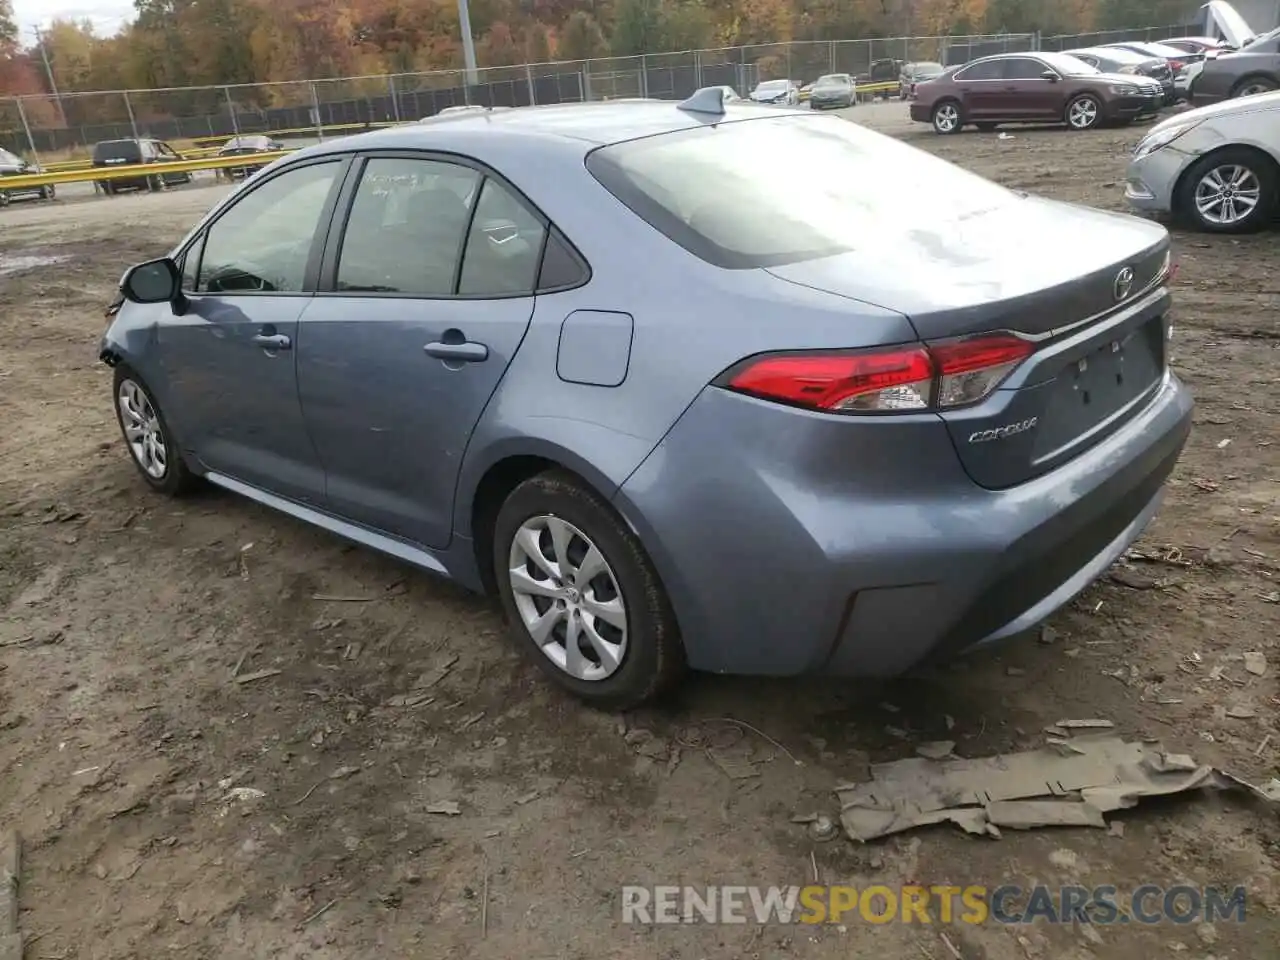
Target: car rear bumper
(920, 112)
(795, 543)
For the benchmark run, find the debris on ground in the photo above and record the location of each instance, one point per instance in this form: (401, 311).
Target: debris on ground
(1034, 788)
(449, 808)
(1255, 663)
(937, 750)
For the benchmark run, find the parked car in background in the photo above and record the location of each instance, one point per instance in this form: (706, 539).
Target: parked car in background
(1033, 88)
(1216, 167)
(832, 91)
(1254, 68)
(919, 72)
(1205, 46)
(784, 92)
(247, 146)
(1175, 58)
(1113, 60)
(12, 165)
(882, 79)
(896, 449)
(126, 153)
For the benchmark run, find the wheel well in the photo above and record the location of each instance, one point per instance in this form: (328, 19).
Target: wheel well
(1244, 81)
(492, 491)
(1179, 187)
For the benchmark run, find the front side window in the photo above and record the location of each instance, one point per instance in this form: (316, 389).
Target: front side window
(1023, 68)
(263, 242)
(716, 190)
(406, 228)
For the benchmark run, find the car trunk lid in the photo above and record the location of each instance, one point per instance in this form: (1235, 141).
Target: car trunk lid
(1084, 287)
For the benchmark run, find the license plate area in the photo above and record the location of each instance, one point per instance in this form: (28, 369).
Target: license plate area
(1093, 388)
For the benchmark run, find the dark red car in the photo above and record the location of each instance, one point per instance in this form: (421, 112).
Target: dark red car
(1033, 88)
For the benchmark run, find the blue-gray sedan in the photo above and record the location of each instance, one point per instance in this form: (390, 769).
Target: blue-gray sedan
(677, 406)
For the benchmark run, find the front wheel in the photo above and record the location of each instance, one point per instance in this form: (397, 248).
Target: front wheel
(581, 595)
(146, 434)
(1084, 112)
(48, 193)
(946, 117)
(1231, 191)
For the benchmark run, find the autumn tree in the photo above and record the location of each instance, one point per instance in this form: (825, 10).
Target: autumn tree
(582, 38)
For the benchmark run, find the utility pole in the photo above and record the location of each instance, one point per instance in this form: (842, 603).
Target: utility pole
(48, 69)
(468, 45)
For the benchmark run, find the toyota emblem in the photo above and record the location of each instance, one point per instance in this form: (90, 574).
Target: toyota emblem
(1123, 284)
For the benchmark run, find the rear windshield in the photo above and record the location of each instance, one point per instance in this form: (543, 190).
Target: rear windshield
(116, 150)
(9, 159)
(729, 193)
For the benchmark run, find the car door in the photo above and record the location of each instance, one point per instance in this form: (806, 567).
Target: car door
(1025, 93)
(980, 88)
(426, 295)
(229, 358)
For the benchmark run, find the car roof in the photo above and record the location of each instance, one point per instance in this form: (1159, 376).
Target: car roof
(578, 127)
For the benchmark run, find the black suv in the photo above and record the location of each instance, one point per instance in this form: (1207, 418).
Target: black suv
(12, 165)
(122, 153)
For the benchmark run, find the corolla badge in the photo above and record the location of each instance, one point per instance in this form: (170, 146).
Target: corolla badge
(1123, 284)
(1003, 433)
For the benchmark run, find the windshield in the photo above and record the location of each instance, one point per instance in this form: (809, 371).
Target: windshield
(770, 85)
(833, 80)
(717, 193)
(9, 158)
(1068, 65)
(927, 69)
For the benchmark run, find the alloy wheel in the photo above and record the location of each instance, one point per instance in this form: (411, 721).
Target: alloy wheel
(568, 598)
(1255, 88)
(1083, 113)
(1228, 195)
(142, 430)
(946, 118)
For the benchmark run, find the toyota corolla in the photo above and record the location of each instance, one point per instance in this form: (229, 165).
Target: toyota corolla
(676, 410)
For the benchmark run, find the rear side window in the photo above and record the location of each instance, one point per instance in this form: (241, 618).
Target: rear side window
(117, 150)
(1023, 68)
(986, 70)
(729, 194)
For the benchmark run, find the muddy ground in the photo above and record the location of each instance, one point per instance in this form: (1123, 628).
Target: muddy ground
(123, 736)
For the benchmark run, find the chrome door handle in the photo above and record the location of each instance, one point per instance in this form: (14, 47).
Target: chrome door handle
(466, 352)
(272, 341)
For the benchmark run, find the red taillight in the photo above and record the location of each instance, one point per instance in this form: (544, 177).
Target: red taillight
(899, 379)
(1176, 65)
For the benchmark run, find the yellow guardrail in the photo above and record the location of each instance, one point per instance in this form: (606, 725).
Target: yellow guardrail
(85, 163)
(304, 131)
(138, 170)
(881, 86)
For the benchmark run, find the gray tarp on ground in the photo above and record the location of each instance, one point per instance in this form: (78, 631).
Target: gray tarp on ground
(1070, 783)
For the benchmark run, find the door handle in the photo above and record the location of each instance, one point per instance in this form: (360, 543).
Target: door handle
(466, 352)
(272, 341)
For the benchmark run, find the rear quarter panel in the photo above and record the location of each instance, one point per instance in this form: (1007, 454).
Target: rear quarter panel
(691, 322)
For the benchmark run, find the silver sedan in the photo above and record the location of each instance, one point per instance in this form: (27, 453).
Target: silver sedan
(1217, 167)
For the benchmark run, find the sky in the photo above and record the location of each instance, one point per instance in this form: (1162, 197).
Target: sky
(107, 15)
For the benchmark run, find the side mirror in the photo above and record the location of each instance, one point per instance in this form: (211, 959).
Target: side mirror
(1050, 76)
(157, 281)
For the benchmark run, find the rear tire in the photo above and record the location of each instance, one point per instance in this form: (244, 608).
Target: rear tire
(582, 597)
(1251, 86)
(946, 117)
(1083, 112)
(1249, 180)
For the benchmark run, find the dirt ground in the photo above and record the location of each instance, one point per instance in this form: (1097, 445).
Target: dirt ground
(124, 739)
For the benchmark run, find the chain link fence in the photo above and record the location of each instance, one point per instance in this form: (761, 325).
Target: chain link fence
(1076, 41)
(49, 128)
